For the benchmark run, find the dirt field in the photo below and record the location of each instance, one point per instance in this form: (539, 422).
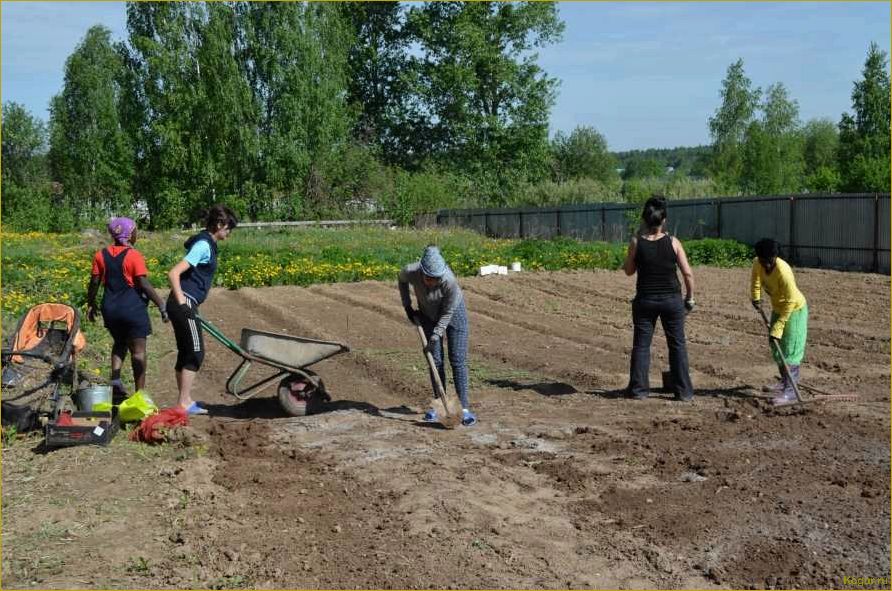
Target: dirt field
(563, 483)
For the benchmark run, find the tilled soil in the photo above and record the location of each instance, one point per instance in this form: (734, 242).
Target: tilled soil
(564, 482)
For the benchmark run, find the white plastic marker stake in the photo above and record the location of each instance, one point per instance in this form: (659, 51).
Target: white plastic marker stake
(493, 270)
(489, 270)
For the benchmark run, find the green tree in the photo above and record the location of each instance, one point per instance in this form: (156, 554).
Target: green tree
(90, 152)
(26, 202)
(24, 144)
(582, 154)
(297, 64)
(165, 76)
(821, 142)
(683, 160)
(642, 168)
(228, 122)
(864, 136)
(773, 153)
(728, 127)
(484, 98)
(377, 85)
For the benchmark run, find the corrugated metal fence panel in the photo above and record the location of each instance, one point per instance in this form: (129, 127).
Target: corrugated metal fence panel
(750, 221)
(583, 224)
(503, 224)
(477, 222)
(453, 219)
(834, 233)
(540, 223)
(691, 220)
(883, 255)
(617, 224)
(426, 220)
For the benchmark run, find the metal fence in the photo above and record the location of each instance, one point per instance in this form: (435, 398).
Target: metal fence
(837, 231)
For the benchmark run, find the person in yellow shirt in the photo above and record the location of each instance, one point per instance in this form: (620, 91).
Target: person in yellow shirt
(789, 314)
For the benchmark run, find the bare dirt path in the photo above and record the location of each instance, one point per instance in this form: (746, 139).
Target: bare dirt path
(563, 483)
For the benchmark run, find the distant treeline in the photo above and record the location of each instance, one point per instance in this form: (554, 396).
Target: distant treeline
(693, 161)
(304, 110)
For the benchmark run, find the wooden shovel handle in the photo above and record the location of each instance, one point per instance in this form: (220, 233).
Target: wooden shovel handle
(438, 385)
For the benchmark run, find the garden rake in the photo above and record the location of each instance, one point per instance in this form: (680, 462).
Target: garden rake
(816, 394)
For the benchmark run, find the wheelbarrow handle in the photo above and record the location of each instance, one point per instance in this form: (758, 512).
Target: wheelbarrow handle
(222, 338)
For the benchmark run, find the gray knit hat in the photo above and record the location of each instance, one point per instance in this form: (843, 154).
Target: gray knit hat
(432, 262)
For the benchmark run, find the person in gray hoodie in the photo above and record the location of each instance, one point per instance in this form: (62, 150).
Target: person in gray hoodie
(441, 312)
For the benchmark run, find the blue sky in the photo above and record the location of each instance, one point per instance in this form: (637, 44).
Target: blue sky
(645, 74)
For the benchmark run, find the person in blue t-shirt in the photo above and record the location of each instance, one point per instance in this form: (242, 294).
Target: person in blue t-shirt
(190, 283)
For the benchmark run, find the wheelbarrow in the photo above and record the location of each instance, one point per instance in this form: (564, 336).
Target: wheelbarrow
(300, 390)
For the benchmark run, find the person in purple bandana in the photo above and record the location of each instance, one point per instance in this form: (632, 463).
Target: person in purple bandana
(122, 271)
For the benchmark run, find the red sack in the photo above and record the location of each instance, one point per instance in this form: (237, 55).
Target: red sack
(64, 419)
(152, 429)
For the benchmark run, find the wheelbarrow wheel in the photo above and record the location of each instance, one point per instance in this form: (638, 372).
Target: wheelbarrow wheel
(300, 395)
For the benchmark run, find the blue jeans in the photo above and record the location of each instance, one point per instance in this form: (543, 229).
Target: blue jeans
(671, 312)
(457, 336)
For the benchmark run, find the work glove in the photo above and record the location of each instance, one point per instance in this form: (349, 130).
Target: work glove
(432, 343)
(163, 310)
(757, 304)
(411, 314)
(689, 304)
(91, 313)
(772, 340)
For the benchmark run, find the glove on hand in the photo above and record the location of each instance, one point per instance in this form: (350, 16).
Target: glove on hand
(432, 343)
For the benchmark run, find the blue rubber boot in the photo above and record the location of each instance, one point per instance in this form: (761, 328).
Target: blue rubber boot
(430, 416)
(468, 418)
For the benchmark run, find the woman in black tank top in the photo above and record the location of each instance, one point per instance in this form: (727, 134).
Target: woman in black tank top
(656, 257)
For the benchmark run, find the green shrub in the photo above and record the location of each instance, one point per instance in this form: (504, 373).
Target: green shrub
(423, 192)
(718, 253)
(31, 208)
(574, 191)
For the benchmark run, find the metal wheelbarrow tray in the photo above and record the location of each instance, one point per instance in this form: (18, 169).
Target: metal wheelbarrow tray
(299, 388)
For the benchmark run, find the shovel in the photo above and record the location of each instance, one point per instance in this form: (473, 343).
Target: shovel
(449, 416)
(817, 395)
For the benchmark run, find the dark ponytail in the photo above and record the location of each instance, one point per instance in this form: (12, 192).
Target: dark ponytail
(654, 213)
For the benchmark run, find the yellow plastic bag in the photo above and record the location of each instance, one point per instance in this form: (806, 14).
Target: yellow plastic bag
(102, 407)
(136, 407)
